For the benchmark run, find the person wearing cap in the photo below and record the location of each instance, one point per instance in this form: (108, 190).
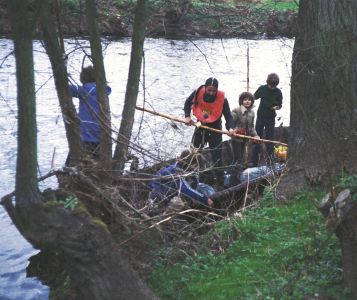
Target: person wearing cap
(271, 101)
(208, 104)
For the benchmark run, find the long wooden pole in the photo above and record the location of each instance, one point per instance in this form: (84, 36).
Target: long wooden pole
(209, 128)
(247, 67)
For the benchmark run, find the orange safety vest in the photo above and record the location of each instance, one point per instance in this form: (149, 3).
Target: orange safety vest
(208, 112)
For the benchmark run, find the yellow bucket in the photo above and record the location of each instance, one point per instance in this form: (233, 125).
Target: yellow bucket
(281, 153)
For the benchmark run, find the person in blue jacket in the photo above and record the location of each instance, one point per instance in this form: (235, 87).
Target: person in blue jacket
(175, 180)
(88, 112)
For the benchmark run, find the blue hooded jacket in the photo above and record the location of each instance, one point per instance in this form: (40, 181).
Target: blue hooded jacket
(168, 183)
(88, 110)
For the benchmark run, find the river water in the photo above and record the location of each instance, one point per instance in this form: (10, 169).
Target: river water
(172, 70)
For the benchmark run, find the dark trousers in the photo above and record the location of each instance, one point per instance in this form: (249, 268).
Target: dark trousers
(268, 124)
(214, 140)
(201, 137)
(238, 150)
(91, 148)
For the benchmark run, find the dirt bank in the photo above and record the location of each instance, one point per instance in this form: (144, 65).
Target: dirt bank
(205, 20)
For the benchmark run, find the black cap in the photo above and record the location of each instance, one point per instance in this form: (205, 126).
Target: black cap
(212, 82)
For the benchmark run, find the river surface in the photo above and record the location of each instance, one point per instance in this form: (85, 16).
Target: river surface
(172, 70)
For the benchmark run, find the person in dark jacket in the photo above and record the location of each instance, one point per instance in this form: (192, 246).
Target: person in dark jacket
(208, 104)
(88, 112)
(178, 179)
(271, 101)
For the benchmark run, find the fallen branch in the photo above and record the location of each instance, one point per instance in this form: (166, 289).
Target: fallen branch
(49, 174)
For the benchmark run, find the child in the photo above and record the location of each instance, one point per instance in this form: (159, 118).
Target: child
(271, 100)
(89, 110)
(243, 120)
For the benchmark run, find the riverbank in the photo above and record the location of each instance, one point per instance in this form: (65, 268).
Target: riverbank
(183, 20)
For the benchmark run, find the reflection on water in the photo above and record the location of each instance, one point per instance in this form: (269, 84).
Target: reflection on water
(172, 70)
(14, 253)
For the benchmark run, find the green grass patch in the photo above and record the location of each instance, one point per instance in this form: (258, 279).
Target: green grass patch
(281, 5)
(281, 252)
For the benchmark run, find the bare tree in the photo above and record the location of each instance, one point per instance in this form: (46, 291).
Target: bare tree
(132, 86)
(91, 258)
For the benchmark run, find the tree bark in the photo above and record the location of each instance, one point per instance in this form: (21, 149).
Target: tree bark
(347, 235)
(26, 187)
(56, 56)
(132, 87)
(91, 259)
(97, 56)
(340, 212)
(323, 123)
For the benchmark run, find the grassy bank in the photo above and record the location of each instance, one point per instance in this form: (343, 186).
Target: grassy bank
(264, 4)
(279, 251)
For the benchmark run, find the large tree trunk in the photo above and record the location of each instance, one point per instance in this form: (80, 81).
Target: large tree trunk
(92, 262)
(323, 123)
(132, 86)
(323, 139)
(27, 192)
(56, 55)
(97, 56)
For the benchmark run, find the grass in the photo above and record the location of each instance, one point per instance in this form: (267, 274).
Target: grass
(267, 4)
(283, 252)
(281, 5)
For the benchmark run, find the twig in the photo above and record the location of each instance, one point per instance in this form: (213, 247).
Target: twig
(49, 174)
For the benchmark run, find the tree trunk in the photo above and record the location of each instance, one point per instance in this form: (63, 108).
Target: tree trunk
(341, 213)
(97, 56)
(56, 56)
(26, 190)
(92, 262)
(132, 87)
(323, 123)
(347, 235)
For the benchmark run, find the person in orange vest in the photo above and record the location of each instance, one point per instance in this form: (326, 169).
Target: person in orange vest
(208, 104)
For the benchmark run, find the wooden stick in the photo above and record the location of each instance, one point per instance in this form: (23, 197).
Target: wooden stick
(247, 67)
(208, 128)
